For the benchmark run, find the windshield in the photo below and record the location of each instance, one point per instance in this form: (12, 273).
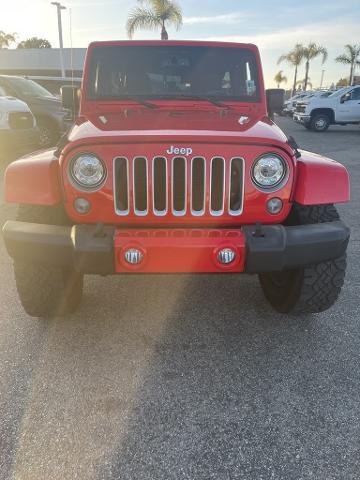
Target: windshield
(339, 92)
(162, 72)
(29, 88)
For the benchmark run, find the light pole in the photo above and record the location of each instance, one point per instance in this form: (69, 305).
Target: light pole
(60, 7)
(322, 78)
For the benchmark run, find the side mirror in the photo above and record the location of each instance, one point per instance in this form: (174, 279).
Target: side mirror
(275, 98)
(70, 97)
(345, 97)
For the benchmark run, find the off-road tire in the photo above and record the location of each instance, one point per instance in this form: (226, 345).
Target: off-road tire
(314, 288)
(46, 291)
(320, 123)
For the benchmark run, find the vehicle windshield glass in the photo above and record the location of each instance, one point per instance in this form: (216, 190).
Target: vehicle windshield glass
(29, 88)
(339, 92)
(173, 72)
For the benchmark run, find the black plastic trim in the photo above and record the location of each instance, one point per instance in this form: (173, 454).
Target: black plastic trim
(278, 248)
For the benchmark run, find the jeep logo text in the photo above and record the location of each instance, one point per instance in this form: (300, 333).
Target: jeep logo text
(179, 151)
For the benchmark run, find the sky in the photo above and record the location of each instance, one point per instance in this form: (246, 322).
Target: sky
(274, 25)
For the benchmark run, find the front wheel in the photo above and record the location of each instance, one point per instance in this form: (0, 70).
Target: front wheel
(320, 123)
(311, 289)
(47, 291)
(48, 136)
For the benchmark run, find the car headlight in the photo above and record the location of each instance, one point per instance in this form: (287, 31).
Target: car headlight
(87, 171)
(269, 171)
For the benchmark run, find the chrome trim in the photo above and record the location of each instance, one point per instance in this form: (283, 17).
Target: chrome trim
(277, 186)
(141, 213)
(73, 180)
(234, 213)
(196, 213)
(121, 213)
(178, 213)
(160, 213)
(217, 213)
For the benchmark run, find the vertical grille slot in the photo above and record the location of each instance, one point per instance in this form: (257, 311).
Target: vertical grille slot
(198, 186)
(140, 187)
(217, 186)
(179, 186)
(121, 177)
(236, 186)
(160, 186)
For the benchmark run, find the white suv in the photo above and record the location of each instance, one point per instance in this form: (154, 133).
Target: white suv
(341, 107)
(18, 132)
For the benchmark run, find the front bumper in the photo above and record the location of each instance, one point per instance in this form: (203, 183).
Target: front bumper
(301, 118)
(100, 250)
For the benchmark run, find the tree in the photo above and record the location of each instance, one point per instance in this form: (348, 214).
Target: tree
(280, 78)
(154, 15)
(350, 57)
(294, 58)
(34, 42)
(301, 83)
(6, 39)
(311, 51)
(343, 82)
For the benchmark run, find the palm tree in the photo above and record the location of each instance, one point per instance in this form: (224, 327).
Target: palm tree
(311, 51)
(352, 58)
(154, 15)
(301, 83)
(6, 39)
(294, 58)
(280, 78)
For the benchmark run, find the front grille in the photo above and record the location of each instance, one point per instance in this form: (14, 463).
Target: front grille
(21, 120)
(300, 108)
(178, 186)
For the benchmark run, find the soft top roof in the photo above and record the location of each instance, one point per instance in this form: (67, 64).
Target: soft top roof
(197, 43)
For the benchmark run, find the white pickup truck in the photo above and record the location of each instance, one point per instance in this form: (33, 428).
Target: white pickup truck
(340, 108)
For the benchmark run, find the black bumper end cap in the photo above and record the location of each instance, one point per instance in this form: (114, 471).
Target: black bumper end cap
(280, 247)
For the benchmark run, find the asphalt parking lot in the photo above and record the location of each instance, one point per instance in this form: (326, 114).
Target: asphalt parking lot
(185, 377)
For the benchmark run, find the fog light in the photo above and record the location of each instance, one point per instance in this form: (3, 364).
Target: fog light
(82, 206)
(133, 256)
(226, 256)
(274, 206)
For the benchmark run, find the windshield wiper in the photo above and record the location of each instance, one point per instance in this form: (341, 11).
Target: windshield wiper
(205, 99)
(141, 102)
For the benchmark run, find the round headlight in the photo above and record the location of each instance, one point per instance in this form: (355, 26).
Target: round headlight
(269, 171)
(87, 171)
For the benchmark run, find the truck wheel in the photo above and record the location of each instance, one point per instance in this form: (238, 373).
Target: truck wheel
(312, 289)
(47, 136)
(46, 291)
(320, 123)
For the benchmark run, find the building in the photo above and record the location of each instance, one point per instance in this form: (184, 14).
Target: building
(41, 61)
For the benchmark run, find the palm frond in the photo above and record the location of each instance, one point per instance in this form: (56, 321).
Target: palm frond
(343, 59)
(322, 51)
(141, 18)
(283, 58)
(167, 10)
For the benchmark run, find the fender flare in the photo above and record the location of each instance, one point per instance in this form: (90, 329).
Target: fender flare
(34, 180)
(320, 180)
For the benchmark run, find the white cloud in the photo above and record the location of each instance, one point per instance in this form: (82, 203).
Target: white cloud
(228, 18)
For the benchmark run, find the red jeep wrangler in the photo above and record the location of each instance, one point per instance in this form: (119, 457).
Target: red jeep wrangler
(174, 165)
